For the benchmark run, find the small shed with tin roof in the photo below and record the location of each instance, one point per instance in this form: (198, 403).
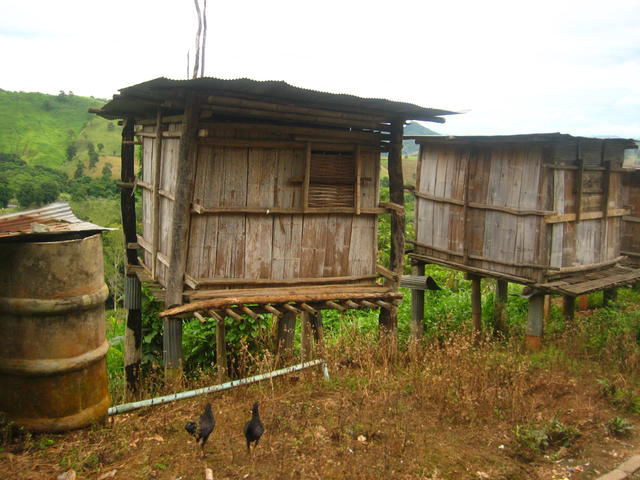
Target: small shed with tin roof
(261, 197)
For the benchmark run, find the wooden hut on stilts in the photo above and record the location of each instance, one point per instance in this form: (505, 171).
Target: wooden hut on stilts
(542, 210)
(258, 197)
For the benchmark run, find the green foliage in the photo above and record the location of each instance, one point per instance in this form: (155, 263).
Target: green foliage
(538, 439)
(6, 192)
(619, 427)
(79, 169)
(619, 396)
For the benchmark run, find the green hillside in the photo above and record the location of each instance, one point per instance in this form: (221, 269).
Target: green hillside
(39, 128)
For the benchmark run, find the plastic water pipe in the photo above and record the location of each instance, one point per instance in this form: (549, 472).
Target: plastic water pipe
(127, 407)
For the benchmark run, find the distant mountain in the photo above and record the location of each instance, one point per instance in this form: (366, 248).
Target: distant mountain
(56, 131)
(409, 147)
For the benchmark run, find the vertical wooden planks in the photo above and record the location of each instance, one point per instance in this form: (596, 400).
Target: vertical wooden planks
(230, 252)
(337, 246)
(557, 230)
(262, 164)
(287, 229)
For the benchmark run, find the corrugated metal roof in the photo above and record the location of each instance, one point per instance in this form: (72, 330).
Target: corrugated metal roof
(56, 218)
(524, 138)
(142, 99)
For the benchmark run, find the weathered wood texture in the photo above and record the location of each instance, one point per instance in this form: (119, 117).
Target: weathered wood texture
(248, 219)
(511, 209)
(631, 223)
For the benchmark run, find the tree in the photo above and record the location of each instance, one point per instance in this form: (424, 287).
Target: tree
(71, 151)
(106, 170)
(100, 147)
(5, 192)
(93, 155)
(26, 194)
(79, 170)
(49, 191)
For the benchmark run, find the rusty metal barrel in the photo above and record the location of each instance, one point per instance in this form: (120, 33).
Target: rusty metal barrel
(53, 373)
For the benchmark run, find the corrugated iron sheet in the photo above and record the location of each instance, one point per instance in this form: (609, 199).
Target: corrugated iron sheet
(523, 138)
(56, 218)
(142, 99)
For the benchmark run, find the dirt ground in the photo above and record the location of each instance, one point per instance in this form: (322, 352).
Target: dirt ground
(369, 421)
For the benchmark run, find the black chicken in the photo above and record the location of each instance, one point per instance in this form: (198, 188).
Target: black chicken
(203, 428)
(254, 429)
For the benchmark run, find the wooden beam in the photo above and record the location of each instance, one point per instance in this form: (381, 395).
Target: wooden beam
(270, 299)
(306, 337)
(388, 319)
(230, 313)
(221, 349)
(417, 306)
(568, 308)
(535, 323)
(476, 304)
(133, 304)
(309, 309)
(358, 186)
(500, 307)
(285, 333)
(179, 242)
(291, 308)
(482, 206)
(335, 305)
(272, 310)
(572, 217)
(155, 199)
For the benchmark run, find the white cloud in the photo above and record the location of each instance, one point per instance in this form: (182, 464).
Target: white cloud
(545, 66)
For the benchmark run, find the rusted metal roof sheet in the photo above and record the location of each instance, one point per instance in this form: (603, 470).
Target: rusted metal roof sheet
(143, 99)
(53, 219)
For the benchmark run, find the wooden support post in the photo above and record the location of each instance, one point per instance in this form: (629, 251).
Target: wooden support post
(155, 196)
(221, 350)
(132, 300)
(547, 307)
(476, 304)
(608, 296)
(185, 171)
(132, 335)
(535, 323)
(583, 302)
(500, 307)
(568, 308)
(318, 328)
(306, 336)
(172, 348)
(286, 328)
(417, 306)
(388, 319)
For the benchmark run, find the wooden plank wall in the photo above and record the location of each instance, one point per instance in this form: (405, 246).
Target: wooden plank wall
(504, 177)
(588, 241)
(631, 225)
(520, 178)
(258, 245)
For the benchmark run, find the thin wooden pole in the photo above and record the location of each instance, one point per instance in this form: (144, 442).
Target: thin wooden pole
(179, 236)
(133, 330)
(476, 304)
(306, 336)
(608, 296)
(535, 323)
(286, 327)
(568, 308)
(417, 306)
(388, 319)
(500, 307)
(155, 196)
(221, 349)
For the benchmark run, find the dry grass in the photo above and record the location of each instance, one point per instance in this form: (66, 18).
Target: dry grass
(443, 411)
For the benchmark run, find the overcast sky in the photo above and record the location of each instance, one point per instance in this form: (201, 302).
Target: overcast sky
(514, 67)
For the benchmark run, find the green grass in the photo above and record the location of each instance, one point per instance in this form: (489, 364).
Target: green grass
(38, 127)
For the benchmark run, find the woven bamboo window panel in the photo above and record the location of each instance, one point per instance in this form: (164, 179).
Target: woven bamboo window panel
(332, 179)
